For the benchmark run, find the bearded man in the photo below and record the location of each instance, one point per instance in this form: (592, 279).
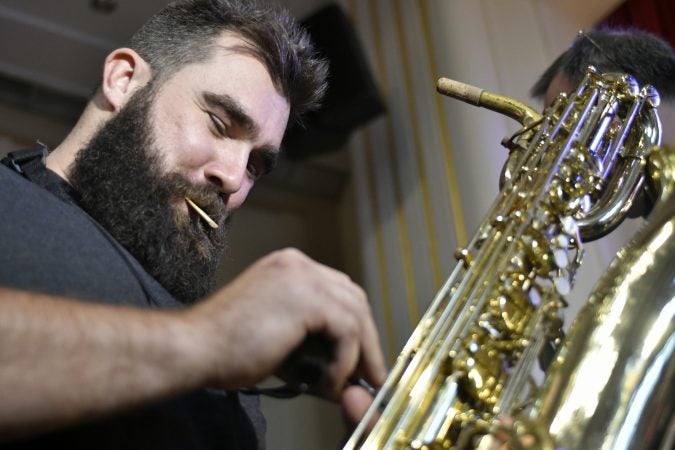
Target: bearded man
(110, 333)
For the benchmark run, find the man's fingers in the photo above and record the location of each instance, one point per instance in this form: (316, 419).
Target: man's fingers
(355, 401)
(371, 361)
(358, 352)
(346, 357)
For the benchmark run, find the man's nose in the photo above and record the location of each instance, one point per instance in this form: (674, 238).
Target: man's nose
(228, 169)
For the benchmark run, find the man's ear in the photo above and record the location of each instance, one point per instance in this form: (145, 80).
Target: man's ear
(123, 72)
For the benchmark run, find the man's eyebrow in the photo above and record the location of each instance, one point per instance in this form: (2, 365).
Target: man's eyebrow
(234, 110)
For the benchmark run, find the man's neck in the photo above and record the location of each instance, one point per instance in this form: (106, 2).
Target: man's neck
(57, 163)
(62, 157)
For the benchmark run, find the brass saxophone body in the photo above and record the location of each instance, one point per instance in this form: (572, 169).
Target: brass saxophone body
(465, 374)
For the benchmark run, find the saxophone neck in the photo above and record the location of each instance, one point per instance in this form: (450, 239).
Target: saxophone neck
(489, 100)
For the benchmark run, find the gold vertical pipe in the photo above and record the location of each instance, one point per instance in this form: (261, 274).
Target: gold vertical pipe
(383, 269)
(447, 150)
(431, 236)
(379, 246)
(409, 278)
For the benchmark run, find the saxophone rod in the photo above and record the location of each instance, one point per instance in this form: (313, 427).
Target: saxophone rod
(489, 100)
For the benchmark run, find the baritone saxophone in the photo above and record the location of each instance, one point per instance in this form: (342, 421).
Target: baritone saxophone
(464, 378)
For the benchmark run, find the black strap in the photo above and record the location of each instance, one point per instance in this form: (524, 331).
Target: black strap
(18, 159)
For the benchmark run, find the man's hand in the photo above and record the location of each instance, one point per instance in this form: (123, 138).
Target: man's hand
(248, 329)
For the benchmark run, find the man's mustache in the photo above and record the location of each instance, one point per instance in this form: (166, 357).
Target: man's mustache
(207, 197)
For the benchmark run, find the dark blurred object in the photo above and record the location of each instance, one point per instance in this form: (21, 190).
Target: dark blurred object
(352, 98)
(104, 6)
(655, 16)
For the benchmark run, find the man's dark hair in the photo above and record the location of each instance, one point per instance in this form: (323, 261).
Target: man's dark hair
(647, 57)
(185, 32)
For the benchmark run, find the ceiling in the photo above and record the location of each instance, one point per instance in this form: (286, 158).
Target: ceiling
(51, 55)
(60, 44)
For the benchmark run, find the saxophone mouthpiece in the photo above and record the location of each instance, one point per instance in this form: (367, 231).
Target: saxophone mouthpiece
(461, 91)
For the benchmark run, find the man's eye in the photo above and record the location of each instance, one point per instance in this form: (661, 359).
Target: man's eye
(218, 124)
(254, 171)
(257, 166)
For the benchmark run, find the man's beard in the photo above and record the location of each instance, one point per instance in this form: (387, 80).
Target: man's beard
(121, 183)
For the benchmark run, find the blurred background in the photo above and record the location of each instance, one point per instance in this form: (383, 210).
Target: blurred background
(384, 183)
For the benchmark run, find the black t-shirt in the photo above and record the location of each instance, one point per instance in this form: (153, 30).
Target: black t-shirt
(48, 244)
